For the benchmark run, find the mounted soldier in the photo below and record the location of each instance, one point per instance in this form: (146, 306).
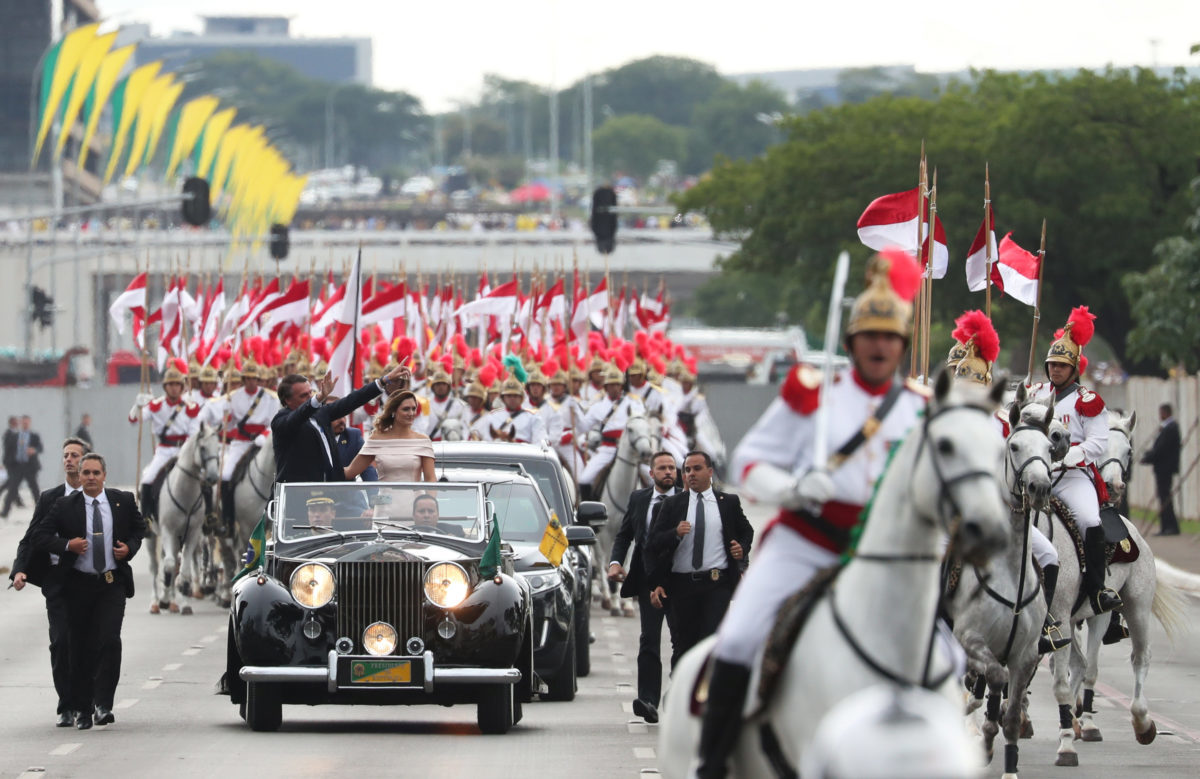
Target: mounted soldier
(246, 421)
(514, 422)
(442, 406)
(172, 419)
(475, 413)
(603, 424)
(570, 413)
(540, 406)
(1079, 484)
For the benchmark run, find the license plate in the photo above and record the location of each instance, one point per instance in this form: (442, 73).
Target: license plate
(381, 672)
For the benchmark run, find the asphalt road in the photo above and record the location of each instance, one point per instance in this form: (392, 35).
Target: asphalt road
(170, 722)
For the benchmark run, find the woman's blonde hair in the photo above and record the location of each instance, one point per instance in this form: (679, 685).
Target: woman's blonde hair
(386, 418)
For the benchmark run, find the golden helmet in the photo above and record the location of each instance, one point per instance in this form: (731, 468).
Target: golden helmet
(613, 375)
(193, 366)
(559, 377)
(374, 370)
(885, 306)
(596, 366)
(320, 368)
(440, 377)
(208, 374)
(173, 376)
(249, 369)
(476, 390)
(576, 374)
(512, 386)
(535, 376)
(1069, 342)
(267, 373)
(977, 345)
(637, 367)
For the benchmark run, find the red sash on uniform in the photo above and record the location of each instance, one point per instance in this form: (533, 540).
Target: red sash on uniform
(611, 437)
(253, 432)
(839, 517)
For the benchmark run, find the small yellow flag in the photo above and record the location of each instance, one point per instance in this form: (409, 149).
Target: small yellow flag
(554, 541)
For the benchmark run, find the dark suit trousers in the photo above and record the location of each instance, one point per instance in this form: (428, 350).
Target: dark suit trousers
(97, 610)
(60, 662)
(695, 609)
(1162, 484)
(20, 472)
(649, 658)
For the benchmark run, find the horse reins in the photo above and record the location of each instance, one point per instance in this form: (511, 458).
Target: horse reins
(1120, 460)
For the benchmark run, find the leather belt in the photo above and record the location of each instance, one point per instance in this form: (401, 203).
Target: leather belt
(710, 575)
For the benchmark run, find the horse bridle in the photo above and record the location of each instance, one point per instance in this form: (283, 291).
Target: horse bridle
(1120, 461)
(946, 495)
(635, 463)
(187, 512)
(1016, 493)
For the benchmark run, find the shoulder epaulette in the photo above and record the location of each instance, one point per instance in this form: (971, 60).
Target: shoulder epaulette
(155, 405)
(192, 409)
(801, 389)
(1089, 404)
(914, 386)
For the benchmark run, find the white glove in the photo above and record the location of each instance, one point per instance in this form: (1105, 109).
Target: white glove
(260, 441)
(143, 399)
(1074, 457)
(593, 439)
(812, 490)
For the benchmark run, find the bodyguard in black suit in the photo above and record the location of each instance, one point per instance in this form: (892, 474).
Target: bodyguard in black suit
(26, 447)
(696, 562)
(1164, 456)
(635, 583)
(38, 568)
(95, 532)
(301, 433)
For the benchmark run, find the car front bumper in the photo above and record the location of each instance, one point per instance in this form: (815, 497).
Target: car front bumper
(334, 674)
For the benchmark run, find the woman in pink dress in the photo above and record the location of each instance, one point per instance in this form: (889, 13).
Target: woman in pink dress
(397, 451)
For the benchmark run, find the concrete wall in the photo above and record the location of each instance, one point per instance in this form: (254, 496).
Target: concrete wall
(1144, 395)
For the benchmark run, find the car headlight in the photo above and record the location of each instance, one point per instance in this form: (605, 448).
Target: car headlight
(447, 585)
(542, 580)
(379, 639)
(312, 585)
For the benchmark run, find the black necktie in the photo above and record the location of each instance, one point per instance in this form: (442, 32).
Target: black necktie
(98, 556)
(698, 534)
(658, 496)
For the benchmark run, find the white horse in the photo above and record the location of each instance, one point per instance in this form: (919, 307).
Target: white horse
(250, 498)
(635, 447)
(454, 429)
(998, 614)
(877, 621)
(181, 520)
(1143, 595)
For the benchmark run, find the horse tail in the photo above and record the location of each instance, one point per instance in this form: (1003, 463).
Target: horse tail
(1169, 606)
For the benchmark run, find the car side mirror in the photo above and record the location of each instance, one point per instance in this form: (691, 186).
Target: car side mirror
(591, 513)
(580, 535)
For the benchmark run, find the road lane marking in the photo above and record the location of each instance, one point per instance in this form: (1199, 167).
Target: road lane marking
(637, 726)
(172, 666)
(191, 652)
(1125, 703)
(126, 703)
(643, 753)
(32, 771)
(65, 749)
(152, 684)
(210, 639)
(624, 672)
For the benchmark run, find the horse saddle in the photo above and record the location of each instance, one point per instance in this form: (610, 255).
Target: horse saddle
(1118, 544)
(243, 465)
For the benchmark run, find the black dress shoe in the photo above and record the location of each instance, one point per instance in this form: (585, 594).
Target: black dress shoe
(83, 721)
(645, 710)
(65, 719)
(1167, 533)
(104, 716)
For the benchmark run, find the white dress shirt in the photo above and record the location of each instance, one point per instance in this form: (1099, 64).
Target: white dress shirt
(68, 490)
(714, 539)
(84, 561)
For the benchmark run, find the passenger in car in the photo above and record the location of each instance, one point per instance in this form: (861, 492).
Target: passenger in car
(426, 514)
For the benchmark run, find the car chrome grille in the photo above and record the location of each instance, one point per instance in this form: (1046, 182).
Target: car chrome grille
(390, 592)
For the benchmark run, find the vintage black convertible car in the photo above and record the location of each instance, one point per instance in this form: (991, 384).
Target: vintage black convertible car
(379, 593)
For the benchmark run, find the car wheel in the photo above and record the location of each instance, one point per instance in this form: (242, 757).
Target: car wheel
(518, 709)
(563, 684)
(264, 710)
(583, 632)
(495, 710)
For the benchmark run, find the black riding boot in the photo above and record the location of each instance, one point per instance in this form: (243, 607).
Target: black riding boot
(1102, 598)
(149, 504)
(227, 508)
(1052, 638)
(585, 492)
(1116, 630)
(211, 520)
(722, 717)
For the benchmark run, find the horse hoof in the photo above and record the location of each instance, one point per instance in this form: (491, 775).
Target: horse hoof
(1147, 735)
(1092, 734)
(173, 608)
(223, 602)
(197, 594)
(1026, 729)
(1077, 729)
(628, 612)
(207, 590)
(162, 604)
(186, 609)
(154, 609)
(1067, 759)
(614, 612)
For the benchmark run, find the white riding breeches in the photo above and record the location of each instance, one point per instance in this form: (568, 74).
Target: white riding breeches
(234, 450)
(570, 457)
(1077, 490)
(162, 455)
(1044, 553)
(784, 564)
(599, 459)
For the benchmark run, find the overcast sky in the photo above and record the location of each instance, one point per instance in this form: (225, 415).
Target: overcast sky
(440, 51)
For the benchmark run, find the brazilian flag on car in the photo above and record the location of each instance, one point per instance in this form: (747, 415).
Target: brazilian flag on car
(254, 548)
(489, 564)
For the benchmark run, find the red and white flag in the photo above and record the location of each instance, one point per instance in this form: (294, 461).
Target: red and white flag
(264, 303)
(290, 308)
(1016, 273)
(326, 313)
(501, 301)
(977, 255)
(133, 300)
(235, 314)
(344, 366)
(591, 308)
(892, 220)
(388, 304)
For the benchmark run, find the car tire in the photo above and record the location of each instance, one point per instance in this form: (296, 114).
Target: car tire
(495, 710)
(264, 709)
(563, 685)
(583, 632)
(518, 709)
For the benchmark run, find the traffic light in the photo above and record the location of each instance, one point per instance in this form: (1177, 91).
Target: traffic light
(42, 307)
(604, 224)
(279, 241)
(197, 209)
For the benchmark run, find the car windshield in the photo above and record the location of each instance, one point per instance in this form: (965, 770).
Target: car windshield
(309, 510)
(519, 508)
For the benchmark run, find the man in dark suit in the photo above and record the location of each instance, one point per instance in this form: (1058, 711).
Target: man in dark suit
(25, 466)
(697, 562)
(10, 455)
(1164, 457)
(41, 569)
(84, 431)
(301, 432)
(348, 441)
(95, 532)
(635, 584)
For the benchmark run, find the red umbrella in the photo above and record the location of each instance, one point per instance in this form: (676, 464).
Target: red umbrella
(530, 192)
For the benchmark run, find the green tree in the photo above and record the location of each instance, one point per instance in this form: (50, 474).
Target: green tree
(1166, 306)
(634, 144)
(737, 122)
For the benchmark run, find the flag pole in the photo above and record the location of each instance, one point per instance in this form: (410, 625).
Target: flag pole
(987, 239)
(1037, 307)
(912, 367)
(931, 240)
(144, 382)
